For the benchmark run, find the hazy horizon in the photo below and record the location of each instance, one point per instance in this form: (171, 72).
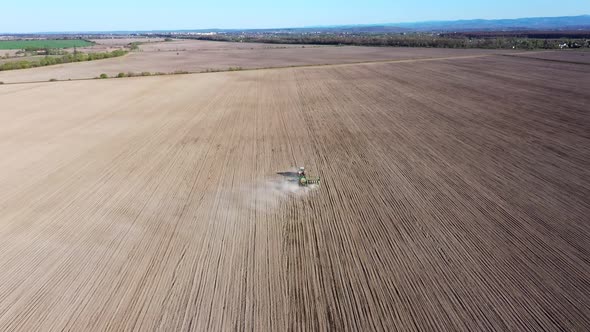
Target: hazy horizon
(70, 16)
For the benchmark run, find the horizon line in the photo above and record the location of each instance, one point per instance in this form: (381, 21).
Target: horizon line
(288, 28)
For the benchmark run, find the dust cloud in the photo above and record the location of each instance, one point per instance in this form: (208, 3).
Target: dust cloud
(264, 196)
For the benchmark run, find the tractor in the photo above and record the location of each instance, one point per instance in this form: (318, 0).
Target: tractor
(303, 180)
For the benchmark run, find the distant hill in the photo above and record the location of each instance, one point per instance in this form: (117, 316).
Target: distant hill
(564, 23)
(569, 23)
(538, 23)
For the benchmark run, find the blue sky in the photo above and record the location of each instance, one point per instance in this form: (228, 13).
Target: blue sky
(76, 15)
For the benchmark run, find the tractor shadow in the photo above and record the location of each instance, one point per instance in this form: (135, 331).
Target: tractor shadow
(289, 176)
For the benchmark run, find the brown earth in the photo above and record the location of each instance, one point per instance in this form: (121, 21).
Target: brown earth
(203, 45)
(199, 56)
(10, 53)
(454, 197)
(109, 45)
(573, 56)
(120, 42)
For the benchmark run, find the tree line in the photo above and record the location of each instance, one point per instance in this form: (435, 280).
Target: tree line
(402, 40)
(55, 60)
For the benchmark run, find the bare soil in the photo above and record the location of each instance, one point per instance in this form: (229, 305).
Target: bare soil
(199, 56)
(203, 45)
(11, 53)
(120, 42)
(454, 197)
(573, 56)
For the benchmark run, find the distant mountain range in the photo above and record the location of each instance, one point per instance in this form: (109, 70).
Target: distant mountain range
(562, 23)
(581, 22)
(537, 23)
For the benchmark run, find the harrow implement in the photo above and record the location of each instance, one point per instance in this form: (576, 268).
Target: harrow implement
(304, 181)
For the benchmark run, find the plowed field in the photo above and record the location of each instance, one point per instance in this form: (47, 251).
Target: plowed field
(199, 56)
(454, 196)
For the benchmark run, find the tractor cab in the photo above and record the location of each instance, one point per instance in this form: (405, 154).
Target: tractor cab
(301, 171)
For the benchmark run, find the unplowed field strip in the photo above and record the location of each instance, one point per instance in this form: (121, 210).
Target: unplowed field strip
(454, 196)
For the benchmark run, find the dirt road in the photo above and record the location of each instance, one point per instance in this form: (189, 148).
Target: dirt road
(454, 197)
